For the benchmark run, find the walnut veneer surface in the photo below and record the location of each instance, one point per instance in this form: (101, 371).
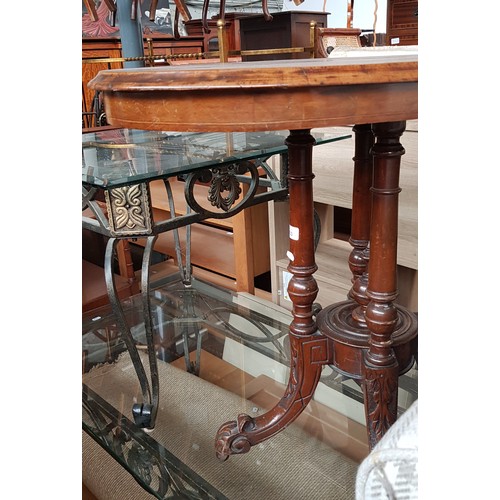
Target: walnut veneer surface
(263, 95)
(367, 337)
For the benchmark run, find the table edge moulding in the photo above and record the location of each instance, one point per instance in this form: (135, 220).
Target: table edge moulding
(367, 337)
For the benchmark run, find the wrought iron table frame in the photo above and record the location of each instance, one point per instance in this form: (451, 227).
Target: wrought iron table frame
(128, 215)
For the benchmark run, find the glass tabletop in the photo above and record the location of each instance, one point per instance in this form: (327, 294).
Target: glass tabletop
(219, 354)
(118, 157)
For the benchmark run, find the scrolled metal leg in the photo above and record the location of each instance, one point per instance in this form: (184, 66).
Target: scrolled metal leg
(147, 415)
(144, 413)
(120, 318)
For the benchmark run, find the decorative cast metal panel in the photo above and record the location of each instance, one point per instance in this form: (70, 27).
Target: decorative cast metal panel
(129, 210)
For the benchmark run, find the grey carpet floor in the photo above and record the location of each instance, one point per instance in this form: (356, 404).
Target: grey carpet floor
(290, 465)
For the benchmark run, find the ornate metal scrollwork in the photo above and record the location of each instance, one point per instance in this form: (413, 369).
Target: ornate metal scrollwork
(144, 413)
(129, 210)
(154, 467)
(224, 179)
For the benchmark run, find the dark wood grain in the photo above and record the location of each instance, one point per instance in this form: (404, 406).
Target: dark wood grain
(268, 95)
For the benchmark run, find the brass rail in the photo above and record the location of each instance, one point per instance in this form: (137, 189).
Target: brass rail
(223, 53)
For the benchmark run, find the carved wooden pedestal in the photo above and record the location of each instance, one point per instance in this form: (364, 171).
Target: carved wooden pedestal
(367, 337)
(372, 337)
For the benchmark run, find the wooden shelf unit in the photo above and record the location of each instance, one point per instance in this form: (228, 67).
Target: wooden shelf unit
(99, 48)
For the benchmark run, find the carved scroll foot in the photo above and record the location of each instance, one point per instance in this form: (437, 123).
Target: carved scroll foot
(309, 353)
(230, 438)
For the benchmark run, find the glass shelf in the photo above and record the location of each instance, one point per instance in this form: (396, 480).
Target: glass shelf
(119, 157)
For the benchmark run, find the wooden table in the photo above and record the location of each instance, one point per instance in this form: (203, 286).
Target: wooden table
(367, 337)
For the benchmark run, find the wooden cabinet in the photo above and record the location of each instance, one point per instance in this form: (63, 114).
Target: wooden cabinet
(402, 22)
(287, 29)
(332, 188)
(210, 40)
(96, 48)
(99, 48)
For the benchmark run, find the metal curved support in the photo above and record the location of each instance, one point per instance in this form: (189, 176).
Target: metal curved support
(268, 335)
(88, 201)
(152, 466)
(122, 323)
(87, 196)
(215, 319)
(185, 270)
(145, 413)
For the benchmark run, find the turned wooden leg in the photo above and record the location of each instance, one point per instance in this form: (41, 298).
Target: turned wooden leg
(309, 350)
(345, 322)
(360, 221)
(380, 367)
(372, 339)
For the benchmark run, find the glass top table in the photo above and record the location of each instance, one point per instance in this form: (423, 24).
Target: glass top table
(116, 160)
(213, 337)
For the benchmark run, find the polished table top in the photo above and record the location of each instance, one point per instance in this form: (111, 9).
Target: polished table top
(369, 86)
